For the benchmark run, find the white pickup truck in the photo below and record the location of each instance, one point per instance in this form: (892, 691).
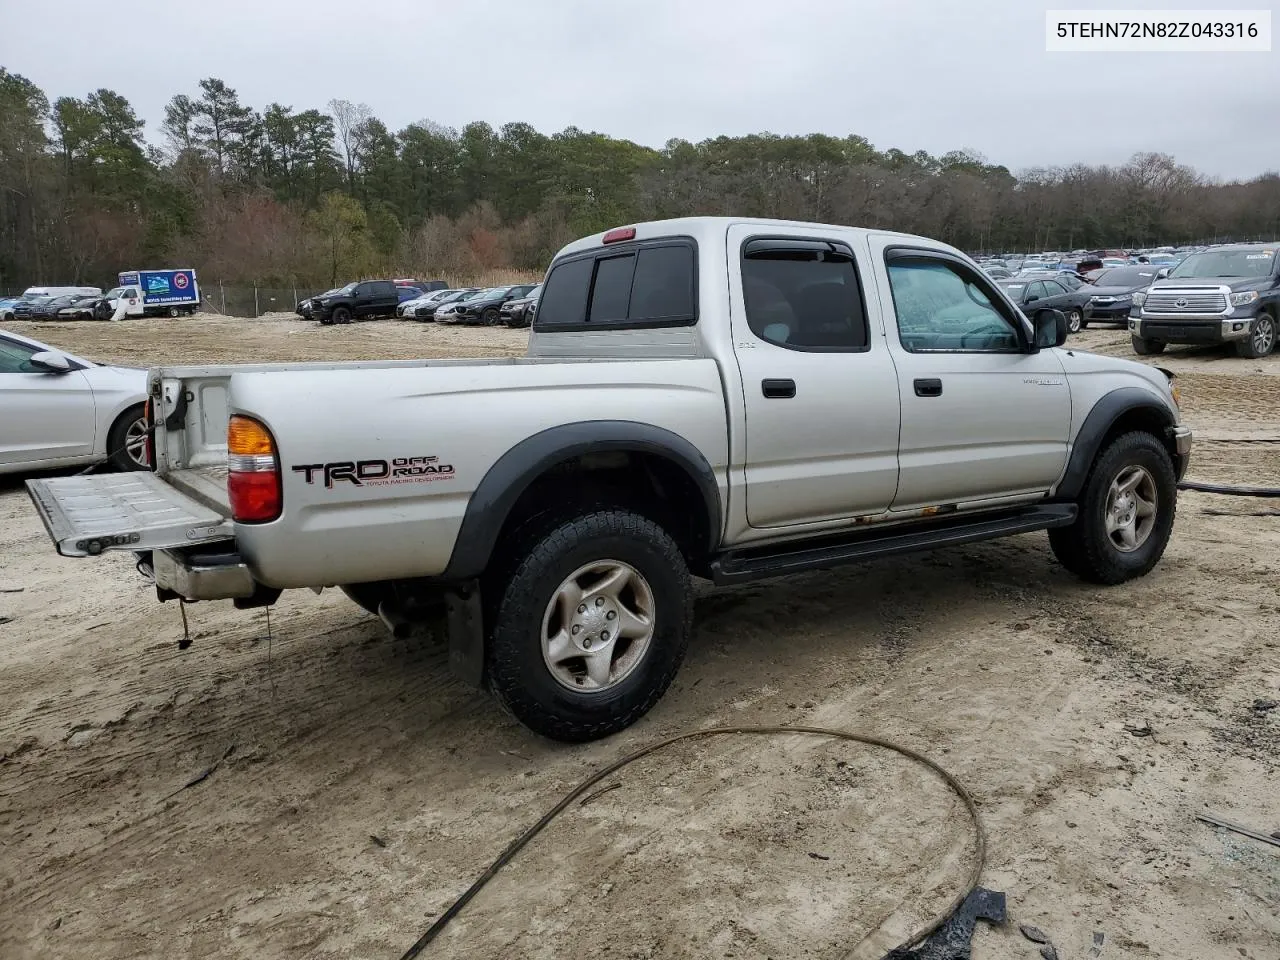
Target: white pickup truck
(721, 398)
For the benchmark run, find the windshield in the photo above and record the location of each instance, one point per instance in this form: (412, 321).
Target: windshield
(346, 291)
(1126, 277)
(115, 293)
(1226, 263)
(495, 292)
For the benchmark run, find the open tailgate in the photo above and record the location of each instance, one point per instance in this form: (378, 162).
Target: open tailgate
(122, 511)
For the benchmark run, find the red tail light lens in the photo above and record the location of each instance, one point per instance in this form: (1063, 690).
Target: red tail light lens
(253, 472)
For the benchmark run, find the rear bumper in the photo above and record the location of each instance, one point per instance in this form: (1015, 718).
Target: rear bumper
(215, 572)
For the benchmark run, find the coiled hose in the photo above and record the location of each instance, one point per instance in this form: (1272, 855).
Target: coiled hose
(977, 861)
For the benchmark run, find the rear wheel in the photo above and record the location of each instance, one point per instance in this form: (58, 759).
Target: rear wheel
(1147, 348)
(1261, 340)
(174, 313)
(1126, 513)
(127, 441)
(590, 628)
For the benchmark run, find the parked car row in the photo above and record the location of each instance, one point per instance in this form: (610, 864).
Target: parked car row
(513, 306)
(1221, 294)
(363, 300)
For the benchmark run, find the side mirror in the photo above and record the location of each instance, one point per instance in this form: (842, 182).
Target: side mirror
(1031, 299)
(1051, 328)
(51, 362)
(1162, 273)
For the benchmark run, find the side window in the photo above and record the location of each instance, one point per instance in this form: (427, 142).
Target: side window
(943, 306)
(15, 358)
(612, 290)
(803, 295)
(1034, 291)
(1052, 288)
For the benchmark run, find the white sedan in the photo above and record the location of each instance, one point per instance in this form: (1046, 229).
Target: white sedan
(57, 410)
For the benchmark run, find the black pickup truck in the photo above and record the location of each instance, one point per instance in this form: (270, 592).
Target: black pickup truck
(363, 300)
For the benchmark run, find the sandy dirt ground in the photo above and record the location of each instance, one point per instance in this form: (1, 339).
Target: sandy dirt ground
(351, 788)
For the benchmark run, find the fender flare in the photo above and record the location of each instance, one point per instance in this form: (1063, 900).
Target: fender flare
(515, 470)
(1088, 442)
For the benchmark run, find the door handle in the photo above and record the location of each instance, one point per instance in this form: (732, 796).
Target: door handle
(929, 387)
(778, 389)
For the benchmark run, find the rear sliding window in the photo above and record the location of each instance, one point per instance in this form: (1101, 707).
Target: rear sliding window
(638, 285)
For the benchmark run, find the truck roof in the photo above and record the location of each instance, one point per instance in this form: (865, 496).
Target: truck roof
(707, 228)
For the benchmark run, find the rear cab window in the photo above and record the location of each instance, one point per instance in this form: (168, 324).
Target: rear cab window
(643, 284)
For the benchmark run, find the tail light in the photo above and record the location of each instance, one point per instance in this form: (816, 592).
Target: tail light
(253, 472)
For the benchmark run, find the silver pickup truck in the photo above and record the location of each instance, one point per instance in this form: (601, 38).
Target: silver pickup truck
(718, 398)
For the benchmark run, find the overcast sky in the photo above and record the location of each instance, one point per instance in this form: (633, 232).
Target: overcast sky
(916, 74)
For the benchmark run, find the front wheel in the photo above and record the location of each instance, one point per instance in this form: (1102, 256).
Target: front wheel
(1261, 340)
(1147, 348)
(341, 315)
(127, 441)
(174, 313)
(1126, 513)
(1075, 321)
(490, 317)
(589, 630)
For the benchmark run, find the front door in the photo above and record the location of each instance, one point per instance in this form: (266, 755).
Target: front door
(819, 389)
(47, 416)
(984, 415)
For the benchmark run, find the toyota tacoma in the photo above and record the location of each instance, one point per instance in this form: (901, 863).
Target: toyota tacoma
(726, 399)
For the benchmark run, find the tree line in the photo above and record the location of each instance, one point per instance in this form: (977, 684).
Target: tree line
(312, 196)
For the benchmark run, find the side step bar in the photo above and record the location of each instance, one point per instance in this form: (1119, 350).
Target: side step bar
(739, 566)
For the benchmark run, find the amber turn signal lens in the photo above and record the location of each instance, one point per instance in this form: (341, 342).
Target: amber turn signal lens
(246, 437)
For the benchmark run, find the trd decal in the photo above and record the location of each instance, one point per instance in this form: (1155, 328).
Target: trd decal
(377, 473)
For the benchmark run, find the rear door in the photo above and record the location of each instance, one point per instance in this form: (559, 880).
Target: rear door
(984, 417)
(819, 385)
(43, 416)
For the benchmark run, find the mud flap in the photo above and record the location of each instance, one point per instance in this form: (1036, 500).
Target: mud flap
(466, 633)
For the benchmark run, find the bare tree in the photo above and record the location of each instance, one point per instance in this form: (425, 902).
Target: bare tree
(349, 119)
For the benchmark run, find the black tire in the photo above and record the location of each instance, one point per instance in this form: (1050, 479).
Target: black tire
(1085, 548)
(1075, 320)
(1147, 348)
(517, 671)
(490, 317)
(1261, 340)
(341, 315)
(1084, 322)
(124, 433)
(174, 313)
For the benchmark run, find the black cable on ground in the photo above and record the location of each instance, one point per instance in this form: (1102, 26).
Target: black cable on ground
(1228, 489)
(507, 855)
